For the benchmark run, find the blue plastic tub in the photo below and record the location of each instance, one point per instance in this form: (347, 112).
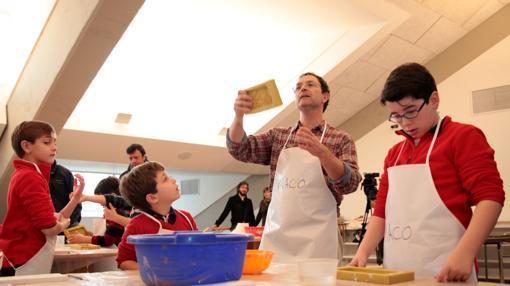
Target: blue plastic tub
(190, 258)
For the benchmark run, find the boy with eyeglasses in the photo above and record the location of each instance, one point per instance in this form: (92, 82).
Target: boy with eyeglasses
(431, 180)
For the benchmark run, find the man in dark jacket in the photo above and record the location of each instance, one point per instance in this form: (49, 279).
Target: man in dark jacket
(137, 156)
(61, 185)
(240, 206)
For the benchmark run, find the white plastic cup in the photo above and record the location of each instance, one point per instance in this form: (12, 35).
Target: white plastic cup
(318, 271)
(61, 240)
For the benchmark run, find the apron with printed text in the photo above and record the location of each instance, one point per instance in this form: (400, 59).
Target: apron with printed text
(420, 230)
(301, 220)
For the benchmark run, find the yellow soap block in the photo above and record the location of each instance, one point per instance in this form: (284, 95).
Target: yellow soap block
(264, 96)
(82, 246)
(75, 230)
(373, 275)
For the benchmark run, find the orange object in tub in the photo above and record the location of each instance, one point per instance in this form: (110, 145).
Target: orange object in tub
(256, 261)
(255, 230)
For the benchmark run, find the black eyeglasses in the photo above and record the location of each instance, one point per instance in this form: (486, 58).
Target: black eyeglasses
(397, 118)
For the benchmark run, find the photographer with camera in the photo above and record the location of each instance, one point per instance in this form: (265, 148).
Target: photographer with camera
(369, 186)
(431, 180)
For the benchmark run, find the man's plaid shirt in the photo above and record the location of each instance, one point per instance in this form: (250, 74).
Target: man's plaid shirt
(265, 149)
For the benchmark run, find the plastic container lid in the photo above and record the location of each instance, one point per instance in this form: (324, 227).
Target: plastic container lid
(184, 237)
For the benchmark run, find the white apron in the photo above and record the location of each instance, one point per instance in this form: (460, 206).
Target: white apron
(42, 261)
(301, 220)
(420, 231)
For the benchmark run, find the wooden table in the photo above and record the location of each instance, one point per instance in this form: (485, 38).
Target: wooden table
(270, 277)
(68, 260)
(496, 240)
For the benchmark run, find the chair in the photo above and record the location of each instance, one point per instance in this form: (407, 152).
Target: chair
(496, 240)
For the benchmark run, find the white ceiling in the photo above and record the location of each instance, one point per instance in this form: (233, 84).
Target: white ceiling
(181, 61)
(178, 67)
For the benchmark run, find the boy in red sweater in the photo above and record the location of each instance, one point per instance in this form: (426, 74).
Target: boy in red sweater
(152, 192)
(31, 225)
(431, 180)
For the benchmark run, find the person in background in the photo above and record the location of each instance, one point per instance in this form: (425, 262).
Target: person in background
(152, 192)
(108, 189)
(431, 180)
(30, 228)
(312, 165)
(264, 205)
(240, 207)
(137, 156)
(61, 186)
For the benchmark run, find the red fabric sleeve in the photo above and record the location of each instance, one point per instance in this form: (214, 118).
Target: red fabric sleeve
(474, 160)
(141, 224)
(36, 200)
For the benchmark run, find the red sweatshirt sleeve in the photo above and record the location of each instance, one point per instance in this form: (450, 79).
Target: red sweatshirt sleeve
(474, 159)
(36, 200)
(138, 225)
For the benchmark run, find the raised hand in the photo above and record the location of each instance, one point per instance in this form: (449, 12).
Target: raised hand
(243, 103)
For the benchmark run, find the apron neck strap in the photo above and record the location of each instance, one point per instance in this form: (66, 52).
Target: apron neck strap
(400, 152)
(154, 219)
(35, 166)
(322, 136)
(436, 132)
(186, 218)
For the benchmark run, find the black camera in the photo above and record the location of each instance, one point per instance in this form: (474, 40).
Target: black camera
(369, 185)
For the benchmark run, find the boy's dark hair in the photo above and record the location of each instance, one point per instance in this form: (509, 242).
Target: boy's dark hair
(266, 189)
(29, 131)
(108, 185)
(409, 79)
(241, 184)
(137, 184)
(133, 147)
(324, 86)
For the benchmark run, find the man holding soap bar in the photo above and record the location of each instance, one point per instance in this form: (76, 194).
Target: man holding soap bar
(312, 166)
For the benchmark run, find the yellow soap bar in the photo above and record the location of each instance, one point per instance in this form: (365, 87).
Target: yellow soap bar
(82, 246)
(373, 275)
(79, 229)
(264, 96)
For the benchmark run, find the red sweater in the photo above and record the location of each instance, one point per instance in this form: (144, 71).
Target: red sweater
(142, 224)
(29, 210)
(462, 166)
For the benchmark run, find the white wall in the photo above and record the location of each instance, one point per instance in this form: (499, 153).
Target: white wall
(489, 70)
(213, 186)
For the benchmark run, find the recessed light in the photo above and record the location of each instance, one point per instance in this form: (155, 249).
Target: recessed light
(184, 155)
(123, 118)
